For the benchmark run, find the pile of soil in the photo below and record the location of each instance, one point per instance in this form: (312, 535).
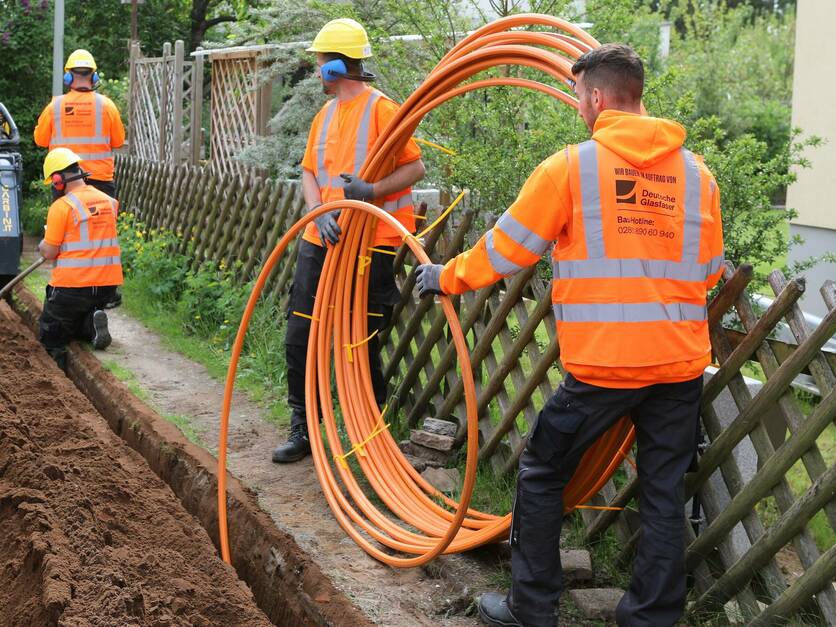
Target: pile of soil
(88, 534)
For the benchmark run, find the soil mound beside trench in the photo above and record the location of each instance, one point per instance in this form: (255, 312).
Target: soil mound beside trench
(89, 535)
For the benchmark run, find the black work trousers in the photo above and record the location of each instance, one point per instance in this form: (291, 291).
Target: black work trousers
(665, 417)
(68, 315)
(383, 295)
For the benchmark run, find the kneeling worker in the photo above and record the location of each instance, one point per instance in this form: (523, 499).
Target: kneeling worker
(81, 238)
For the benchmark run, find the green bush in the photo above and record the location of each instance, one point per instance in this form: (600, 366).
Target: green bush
(36, 200)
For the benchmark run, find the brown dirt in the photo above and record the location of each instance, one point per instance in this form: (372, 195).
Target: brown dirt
(88, 534)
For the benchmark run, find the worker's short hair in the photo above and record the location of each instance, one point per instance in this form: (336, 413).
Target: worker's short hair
(354, 66)
(615, 68)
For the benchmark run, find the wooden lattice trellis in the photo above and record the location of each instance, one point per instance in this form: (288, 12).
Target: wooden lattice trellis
(165, 99)
(736, 559)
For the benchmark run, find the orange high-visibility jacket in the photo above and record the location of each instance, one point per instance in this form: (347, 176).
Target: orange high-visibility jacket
(88, 124)
(339, 140)
(82, 224)
(636, 221)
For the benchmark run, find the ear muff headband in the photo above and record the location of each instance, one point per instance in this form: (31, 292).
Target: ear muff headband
(60, 180)
(68, 78)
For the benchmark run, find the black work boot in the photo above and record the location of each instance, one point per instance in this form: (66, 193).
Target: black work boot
(297, 446)
(101, 336)
(494, 611)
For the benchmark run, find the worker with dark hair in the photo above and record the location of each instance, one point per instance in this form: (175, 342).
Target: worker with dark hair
(340, 137)
(635, 218)
(87, 123)
(81, 238)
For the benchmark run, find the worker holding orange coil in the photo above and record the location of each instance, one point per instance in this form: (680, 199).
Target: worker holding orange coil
(635, 218)
(339, 140)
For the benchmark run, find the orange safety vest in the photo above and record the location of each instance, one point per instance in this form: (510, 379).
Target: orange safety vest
(629, 286)
(79, 124)
(356, 134)
(89, 255)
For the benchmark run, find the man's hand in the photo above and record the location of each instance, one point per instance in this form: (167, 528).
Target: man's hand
(329, 230)
(356, 188)
(428, 279)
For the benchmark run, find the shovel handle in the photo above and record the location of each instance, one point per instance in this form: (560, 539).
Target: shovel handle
(21, 276)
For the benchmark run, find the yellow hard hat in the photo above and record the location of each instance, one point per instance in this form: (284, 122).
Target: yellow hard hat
(58, 159)
(80, 59)
(344, 36)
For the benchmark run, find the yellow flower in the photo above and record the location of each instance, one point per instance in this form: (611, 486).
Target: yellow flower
(197, 317)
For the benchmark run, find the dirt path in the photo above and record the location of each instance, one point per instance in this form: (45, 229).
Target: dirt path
(290, 493)
(88, 534)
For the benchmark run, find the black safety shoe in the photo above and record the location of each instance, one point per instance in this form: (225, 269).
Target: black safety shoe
(101, 336)
(297, 446)
(494, 611)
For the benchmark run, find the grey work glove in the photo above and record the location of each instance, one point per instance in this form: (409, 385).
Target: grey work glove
(356, 188)
(428, 279)
(329, 230)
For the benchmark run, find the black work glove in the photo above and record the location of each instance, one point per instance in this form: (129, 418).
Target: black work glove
(329, 230)
(428, 279)
(356, 188)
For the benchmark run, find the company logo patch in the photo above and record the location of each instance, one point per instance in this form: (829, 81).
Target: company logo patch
(625, 191)
(69, 110)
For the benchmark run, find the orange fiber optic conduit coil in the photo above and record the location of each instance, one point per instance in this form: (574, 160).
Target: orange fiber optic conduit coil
(431, 523)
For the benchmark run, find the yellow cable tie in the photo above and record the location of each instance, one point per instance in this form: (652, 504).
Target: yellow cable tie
(365, 262)
(383, 250)
(348, 347)
(606, 508)
(359, 448)
(304, 315)
(427, 142)
(375, 315)
(417, 217)
(441, 217)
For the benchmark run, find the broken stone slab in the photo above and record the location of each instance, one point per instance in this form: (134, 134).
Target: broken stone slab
(440, 427)
(432, 440)
(416, 462)
(443, 479)
(431, 456)
(577, 566)
(597, 603)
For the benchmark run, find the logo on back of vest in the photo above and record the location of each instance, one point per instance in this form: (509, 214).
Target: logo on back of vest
(69, 110)
(625, 191)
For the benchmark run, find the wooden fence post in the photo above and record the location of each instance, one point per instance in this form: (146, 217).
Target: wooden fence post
(164, 96)
(196, 139)
(177, 104)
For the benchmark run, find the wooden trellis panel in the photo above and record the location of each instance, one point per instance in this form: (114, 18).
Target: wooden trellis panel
(510, 331)
(164, 107)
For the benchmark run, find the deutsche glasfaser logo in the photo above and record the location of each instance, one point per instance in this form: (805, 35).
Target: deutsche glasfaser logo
(625, 191)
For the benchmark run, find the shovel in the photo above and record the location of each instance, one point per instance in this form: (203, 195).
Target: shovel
(21, 276)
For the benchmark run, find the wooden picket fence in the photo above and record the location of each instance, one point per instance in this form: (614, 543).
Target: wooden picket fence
(753, 558)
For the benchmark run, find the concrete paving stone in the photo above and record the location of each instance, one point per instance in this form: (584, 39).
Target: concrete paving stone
(441, 427)
(577, 566)
(432, 440)
(431, 456)
(444, 479)
(597, 603)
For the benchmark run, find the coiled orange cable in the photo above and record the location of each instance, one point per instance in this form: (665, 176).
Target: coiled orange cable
(419, 522)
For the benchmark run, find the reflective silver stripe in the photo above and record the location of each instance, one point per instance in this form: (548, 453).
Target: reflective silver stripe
(88, 263)
(629, 312)
(521, 234)
(501, 264)
(321, 173)
(636, 268)
(394, 205)
(98, 137)
(95, 244)
(92, 156)
(693, 218)
(361, 148)
(82, 215)
(591, 200)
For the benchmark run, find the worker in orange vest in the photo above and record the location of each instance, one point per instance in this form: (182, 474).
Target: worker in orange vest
(87, 123)
(338, 142)
(635, 221)
(81, 238)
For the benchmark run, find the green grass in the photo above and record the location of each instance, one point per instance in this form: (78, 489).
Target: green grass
(181, 421)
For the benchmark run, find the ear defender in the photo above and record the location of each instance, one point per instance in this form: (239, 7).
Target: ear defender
(333, 70)
(58, 182)
(68, 78)
(95, 79)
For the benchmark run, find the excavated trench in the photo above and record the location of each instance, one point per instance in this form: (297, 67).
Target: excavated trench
(97, 529)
